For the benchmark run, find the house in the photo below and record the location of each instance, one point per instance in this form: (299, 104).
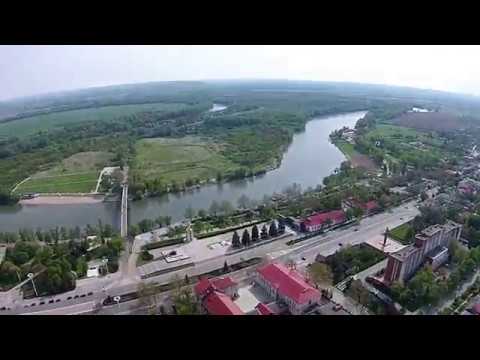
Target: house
(287, 286)
(225, 285)
(369, 207)
(218, 303)
(319, 221)
(216, 296)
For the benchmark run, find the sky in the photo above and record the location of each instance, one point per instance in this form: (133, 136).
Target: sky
(29, 70)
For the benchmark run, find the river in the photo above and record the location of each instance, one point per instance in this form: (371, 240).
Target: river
(309, 158)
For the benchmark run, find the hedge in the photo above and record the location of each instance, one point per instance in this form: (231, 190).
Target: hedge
(164, 243)
(223, 231)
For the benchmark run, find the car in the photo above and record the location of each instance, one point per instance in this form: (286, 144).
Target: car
(58, 300)
(33, 304)
(69, 298)
(42, 303)
(303, 258)
(356, 229)
(401, 218)
(51, 301)
(75, 297)
(340, 244)
(90, 293)
(83, 295)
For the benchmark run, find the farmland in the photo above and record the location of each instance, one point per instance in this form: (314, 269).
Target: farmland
(28, 126)
(436, 121)
(175, 160)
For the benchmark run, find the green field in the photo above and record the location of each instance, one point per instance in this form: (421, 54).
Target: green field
(178, 159)
(346, 148)
(401, 233)
(71, 183)
(76, 174)
(32, 125)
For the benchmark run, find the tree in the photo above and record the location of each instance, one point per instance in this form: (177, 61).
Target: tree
(236, 240)
(226, 207)
(81, 267)
(245, 238)
(357, 291)
(255, 234)
(168, 220)
(273, 229)
(321, 274)
(214, 208)
(189, 213)
(146, 295)
(219, 177)
(202, 213)
(264, 232)
(243, 202)
(184, 301)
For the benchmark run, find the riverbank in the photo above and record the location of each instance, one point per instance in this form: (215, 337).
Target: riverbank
(356, 159)
(63, 200)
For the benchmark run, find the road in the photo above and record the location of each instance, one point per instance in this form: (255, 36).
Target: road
(125, 281)
(124, 212)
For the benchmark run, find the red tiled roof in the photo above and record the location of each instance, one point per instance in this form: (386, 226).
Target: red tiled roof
(223, 283)
(218, 303)
(217, 284)
(289, 283)
(263, 309)
(318, 219)
(371, 205)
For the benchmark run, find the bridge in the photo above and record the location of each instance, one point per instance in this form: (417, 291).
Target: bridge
(124, 212)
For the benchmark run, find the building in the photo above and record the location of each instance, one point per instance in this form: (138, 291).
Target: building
(320, 221)
(430, 245)
(369, 207)
(216, 296)
(287, 286)
(225, 285)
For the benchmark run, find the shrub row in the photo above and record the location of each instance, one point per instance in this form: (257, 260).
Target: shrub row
(164, 243)
(223, 231)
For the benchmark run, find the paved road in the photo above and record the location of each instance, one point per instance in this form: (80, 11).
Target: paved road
(126, 281)
(124, 212)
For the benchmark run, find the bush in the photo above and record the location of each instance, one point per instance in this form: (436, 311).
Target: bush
(160, 244)
(146, 256)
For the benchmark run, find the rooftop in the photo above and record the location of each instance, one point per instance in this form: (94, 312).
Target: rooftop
(288, 282)
(405, 252)
(217, 303)
(318, 219)
(217, 284)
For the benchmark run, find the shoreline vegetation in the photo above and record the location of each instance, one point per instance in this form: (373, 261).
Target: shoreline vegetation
(62, 199)
(252, 132)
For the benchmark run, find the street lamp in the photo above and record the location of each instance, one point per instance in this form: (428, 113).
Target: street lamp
(31, 276)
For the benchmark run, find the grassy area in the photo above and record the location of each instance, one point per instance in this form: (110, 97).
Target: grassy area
(76, 174)
(346, 148)
(28, 126)
(402, 233)
(84, 182)
(178, 159)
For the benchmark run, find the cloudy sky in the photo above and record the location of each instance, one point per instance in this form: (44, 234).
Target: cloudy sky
(28, 70)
